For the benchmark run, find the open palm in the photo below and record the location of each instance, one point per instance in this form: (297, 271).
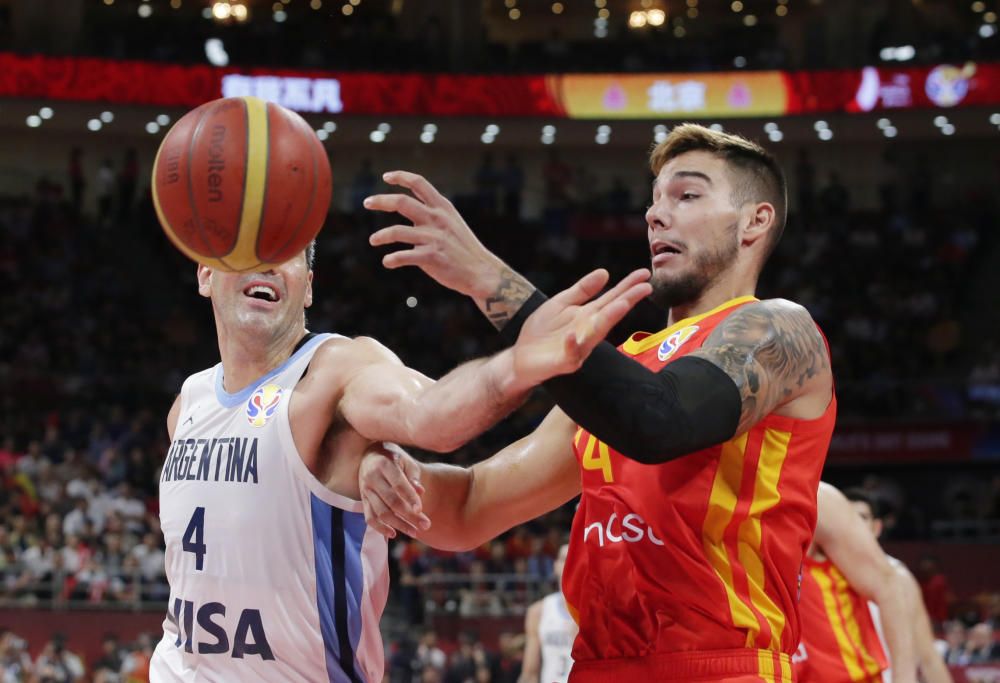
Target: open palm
(558, 337)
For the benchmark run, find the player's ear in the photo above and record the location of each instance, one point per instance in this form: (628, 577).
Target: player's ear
(309, 290)
(204, 281)
(757, 220)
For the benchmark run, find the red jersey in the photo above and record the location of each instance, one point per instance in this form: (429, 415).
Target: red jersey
(839, 640)
(701, 553)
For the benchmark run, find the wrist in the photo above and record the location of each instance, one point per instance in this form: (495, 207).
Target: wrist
(489, 277)
(506, 378)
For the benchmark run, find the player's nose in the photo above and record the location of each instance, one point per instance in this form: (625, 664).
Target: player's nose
(655, 218)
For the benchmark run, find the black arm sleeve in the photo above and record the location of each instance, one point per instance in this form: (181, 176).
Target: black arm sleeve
(650, 417)
(510, 331)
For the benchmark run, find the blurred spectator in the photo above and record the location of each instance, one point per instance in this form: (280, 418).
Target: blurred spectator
(980, 646)
(56, 664)
(110, 663)
(429, 654)
(954, 639)
(935, 589)
(470, 663)
(135, 665)
(15, 663)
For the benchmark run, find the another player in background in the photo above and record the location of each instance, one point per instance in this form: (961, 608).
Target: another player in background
(845, 568)
(930, 664)
(274, 575)
(697, 449)
(550, 630)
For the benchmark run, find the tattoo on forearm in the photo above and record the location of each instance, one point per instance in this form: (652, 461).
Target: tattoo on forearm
(508, 298)
(770, 350)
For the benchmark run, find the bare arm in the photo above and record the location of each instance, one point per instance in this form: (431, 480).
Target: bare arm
(930, 663)
(385, 401)
(844, 538)
(467, 507)
(531, 667)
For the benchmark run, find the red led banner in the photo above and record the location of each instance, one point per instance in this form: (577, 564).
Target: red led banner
(600, 96)
(125, 82)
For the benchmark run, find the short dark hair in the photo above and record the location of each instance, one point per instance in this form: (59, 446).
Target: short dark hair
(859, 495)
(311, 254)
(757, 174)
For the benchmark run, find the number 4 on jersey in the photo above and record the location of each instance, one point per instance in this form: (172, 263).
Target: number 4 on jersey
(194, 538)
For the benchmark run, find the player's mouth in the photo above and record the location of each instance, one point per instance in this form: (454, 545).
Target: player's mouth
(663, 252)
(262, 291)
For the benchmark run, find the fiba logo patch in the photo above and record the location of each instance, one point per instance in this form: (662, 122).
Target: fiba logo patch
(263, 404)
(674, 340)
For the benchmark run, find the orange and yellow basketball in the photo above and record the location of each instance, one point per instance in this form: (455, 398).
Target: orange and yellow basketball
(240, 184)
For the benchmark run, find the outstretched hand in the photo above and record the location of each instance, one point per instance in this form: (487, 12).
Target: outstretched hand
(443, 245)
(558, 337)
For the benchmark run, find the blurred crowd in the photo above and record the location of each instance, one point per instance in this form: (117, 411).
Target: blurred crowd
(56, 662)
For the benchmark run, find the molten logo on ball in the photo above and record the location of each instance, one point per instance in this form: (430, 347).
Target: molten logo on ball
(216, 163)
(263, 404)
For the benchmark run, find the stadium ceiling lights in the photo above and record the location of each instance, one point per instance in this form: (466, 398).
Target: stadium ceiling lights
(903, 53)
(888, 130)
(641, 18)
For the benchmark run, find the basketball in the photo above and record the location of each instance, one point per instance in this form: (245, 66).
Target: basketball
(240, 184)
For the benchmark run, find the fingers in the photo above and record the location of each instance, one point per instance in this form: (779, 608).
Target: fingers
(388, 507)
(372, 521)
(596, 326)
(418, 256)
(583, 289)
(403, 204)
(400, 234)
(380, 517)
(394, 487)
(417, 184)
(635, 277)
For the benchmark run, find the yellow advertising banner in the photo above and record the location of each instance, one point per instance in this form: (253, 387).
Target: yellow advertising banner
(670, 96)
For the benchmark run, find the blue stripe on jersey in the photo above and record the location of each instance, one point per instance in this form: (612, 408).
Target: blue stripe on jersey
(337, 603)
(228, 400)
(354, 534)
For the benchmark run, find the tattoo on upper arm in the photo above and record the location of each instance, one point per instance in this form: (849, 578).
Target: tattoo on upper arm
(508, 298)
(770, 350)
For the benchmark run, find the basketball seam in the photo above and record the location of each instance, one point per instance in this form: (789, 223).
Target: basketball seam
(267, 178)
(243, 192)
(312, 197)
(194, 206)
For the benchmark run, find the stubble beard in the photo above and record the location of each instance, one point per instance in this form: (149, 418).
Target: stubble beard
(677, 290)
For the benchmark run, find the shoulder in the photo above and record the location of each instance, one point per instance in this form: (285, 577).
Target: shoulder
(335, 364)
(534, 614)
(769, 319)
(348, 354)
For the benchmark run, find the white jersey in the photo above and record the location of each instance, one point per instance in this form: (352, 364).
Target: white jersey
(273, 577)
(556, 632)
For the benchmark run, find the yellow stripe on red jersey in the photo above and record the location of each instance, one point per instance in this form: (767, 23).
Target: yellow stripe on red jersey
(839, 641)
